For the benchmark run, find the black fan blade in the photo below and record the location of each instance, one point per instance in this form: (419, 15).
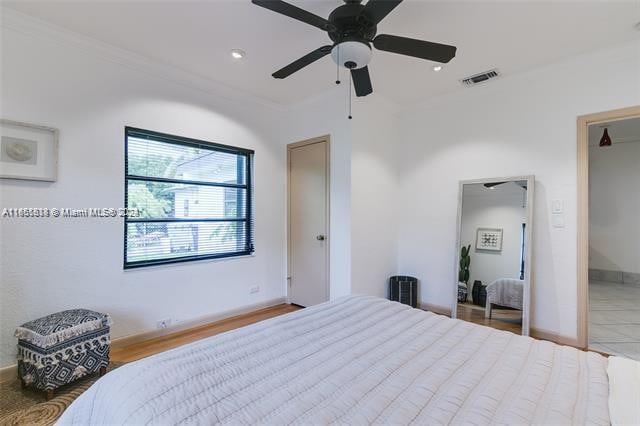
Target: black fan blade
(493, 184)
(302, 62)
(361, 81)
(417, 48)
(294, 12)
(377, 10)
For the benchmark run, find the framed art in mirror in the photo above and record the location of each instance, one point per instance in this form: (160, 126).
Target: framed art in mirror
(489, 239)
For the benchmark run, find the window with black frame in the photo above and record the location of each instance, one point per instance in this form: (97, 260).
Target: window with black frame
(193, 199)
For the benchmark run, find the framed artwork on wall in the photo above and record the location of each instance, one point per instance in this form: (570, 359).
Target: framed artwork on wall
(489, 239)
(28, 151)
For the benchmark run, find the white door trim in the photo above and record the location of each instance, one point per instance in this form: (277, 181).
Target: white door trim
(327, 141)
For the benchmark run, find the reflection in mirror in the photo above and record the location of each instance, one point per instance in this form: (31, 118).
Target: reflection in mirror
(492, 285)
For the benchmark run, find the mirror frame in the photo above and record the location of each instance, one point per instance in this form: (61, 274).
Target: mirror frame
(526, 297)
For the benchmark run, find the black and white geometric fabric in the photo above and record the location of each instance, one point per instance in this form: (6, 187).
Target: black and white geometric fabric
(60, 348)
(58, 327)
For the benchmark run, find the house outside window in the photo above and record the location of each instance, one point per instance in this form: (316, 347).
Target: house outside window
(194, 199)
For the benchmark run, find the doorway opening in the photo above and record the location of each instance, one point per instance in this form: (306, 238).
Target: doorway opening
(609, 232)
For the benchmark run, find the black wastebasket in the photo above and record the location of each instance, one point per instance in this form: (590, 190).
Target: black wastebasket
(404, 289)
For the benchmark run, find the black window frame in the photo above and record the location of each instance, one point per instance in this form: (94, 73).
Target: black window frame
(248, 154)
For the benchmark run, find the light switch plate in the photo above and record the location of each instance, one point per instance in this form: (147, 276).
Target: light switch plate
(557, 220)
(557, 206)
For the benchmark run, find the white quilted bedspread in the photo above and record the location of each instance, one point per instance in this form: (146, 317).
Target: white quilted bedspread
(357, 360)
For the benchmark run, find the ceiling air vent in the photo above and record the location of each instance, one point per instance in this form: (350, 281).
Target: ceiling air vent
(480, 78)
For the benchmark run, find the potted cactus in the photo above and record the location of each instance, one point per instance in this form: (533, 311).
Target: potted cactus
(463, 274)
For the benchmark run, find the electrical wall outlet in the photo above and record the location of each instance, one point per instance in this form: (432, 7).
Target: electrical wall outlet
(255, 289)
(163, 323)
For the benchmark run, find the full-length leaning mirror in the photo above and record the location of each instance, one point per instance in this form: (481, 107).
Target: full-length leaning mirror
(492, 281)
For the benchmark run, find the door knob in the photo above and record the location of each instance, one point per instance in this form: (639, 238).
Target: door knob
(320, 237)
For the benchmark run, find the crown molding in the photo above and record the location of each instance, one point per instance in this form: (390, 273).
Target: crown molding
(613, 55)
(30, 26)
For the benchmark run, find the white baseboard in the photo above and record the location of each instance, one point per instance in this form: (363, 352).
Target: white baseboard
(436, 309)
(535, 332)
(120, 342)
(10, 373)
(555, 337)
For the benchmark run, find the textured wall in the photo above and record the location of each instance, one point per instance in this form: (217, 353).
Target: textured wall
(55, 264)
(519, 125)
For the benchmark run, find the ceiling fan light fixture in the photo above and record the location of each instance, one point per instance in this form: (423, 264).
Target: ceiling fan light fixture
(351, 54)
(352, 28)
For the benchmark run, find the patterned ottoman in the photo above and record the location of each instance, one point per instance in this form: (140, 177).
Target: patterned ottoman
(62, 347)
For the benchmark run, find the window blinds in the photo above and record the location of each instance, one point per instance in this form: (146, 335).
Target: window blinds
(193, 199)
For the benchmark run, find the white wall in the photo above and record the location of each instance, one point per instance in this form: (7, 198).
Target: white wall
(54, 264)
(363, 233)
(60, 79)
(393, 182)
(375, 206)
(614, 206)
(519, 125)
(318, 117)
(493, 209)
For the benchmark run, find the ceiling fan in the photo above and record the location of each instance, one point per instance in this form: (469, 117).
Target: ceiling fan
(352, 27)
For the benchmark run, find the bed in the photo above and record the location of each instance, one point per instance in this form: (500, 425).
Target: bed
(356, 360)
(504, 292)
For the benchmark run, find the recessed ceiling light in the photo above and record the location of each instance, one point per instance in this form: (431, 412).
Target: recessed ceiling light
(437, 68)
(237, 54)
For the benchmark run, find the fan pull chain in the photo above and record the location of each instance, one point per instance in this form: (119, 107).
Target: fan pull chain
(350, 83)
(338, 67)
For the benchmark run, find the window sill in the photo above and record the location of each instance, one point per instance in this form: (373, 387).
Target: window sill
(188, 262)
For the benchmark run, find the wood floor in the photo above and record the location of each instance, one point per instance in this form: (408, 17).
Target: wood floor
(509, 320)
(153, 346)
(502, 319)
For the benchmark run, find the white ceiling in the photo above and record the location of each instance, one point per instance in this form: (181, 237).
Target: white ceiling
(513, 36)
(619, 131)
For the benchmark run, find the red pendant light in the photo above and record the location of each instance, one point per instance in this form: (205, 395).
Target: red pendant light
(605, 140)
